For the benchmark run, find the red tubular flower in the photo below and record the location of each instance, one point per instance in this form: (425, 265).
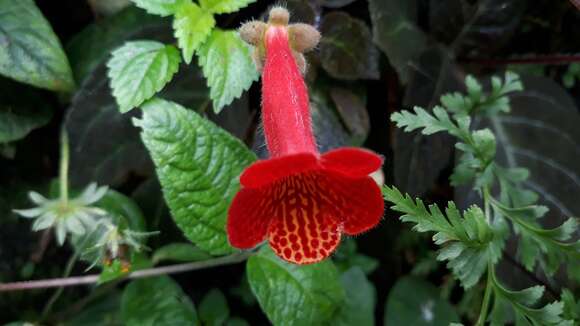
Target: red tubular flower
(300, 200)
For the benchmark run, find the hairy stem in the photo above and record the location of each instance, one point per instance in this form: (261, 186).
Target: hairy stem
(90, 279)
(486, 204)
(486, 298)
(488, 285)
(64, 160)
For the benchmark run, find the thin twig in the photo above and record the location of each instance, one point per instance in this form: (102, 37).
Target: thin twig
(90, 279)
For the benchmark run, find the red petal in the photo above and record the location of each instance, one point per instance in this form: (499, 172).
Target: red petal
(248, 218)
(359, 203)
(304, 230)
(268, 171)
(352, 162)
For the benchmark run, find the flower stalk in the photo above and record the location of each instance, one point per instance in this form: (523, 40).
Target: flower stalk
(64, 163)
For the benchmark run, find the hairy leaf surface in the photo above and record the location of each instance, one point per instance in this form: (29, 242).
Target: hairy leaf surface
(198, 165)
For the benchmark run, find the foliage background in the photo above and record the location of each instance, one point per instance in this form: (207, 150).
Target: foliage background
(370, 63)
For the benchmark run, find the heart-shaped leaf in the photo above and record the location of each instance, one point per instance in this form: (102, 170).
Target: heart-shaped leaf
(198, 165)
(294, 295)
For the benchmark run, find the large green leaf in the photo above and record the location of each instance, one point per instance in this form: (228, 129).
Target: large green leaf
(541, 134)
(103, 311)
(30, 52)
(361, 298)
(224, 6)
(22, 109)
(213, 308)
(159, 7)
(106, 8)
(346, 48)
(185, 252)
(156, 301)
(293, 294)
(395, 32)
(192, 26)
(418, 160)
(413, 301)
(198, 165)
(94, 158)
(486, 25)
(110, 160)
(228, 67)
(139, 69)
(87, 49)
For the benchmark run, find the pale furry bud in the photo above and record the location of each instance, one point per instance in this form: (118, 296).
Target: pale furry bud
(253, 32)
(279, 16)
(303, 37)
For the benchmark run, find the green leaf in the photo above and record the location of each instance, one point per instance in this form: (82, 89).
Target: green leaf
(22, 109)
(418, 161)
(412, 301)
(520, 302)
(30, 52)
(293, 294)
(123, 209)
(113, 159)
(488, 25)
(228, 67)
(470, 243)
(183, 252)
(224, 6)
(93, 45)
(346, 257)
(102, 312)
(541, 134)
(140, 69)
(112, 272)
(105, 8)
(346, 48)
(236, 321)
(537, 244)
(571, 305)
(192, 26)
(156, 301)
(159, 7)
(351, 107)
(395, 33)
(213, 308)
(431, 123)
(198, 165)
(359, 306)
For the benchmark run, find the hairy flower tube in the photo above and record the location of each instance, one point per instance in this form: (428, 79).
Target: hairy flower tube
(300, 200)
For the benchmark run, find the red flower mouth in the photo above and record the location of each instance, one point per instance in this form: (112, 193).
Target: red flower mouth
(303, 204)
